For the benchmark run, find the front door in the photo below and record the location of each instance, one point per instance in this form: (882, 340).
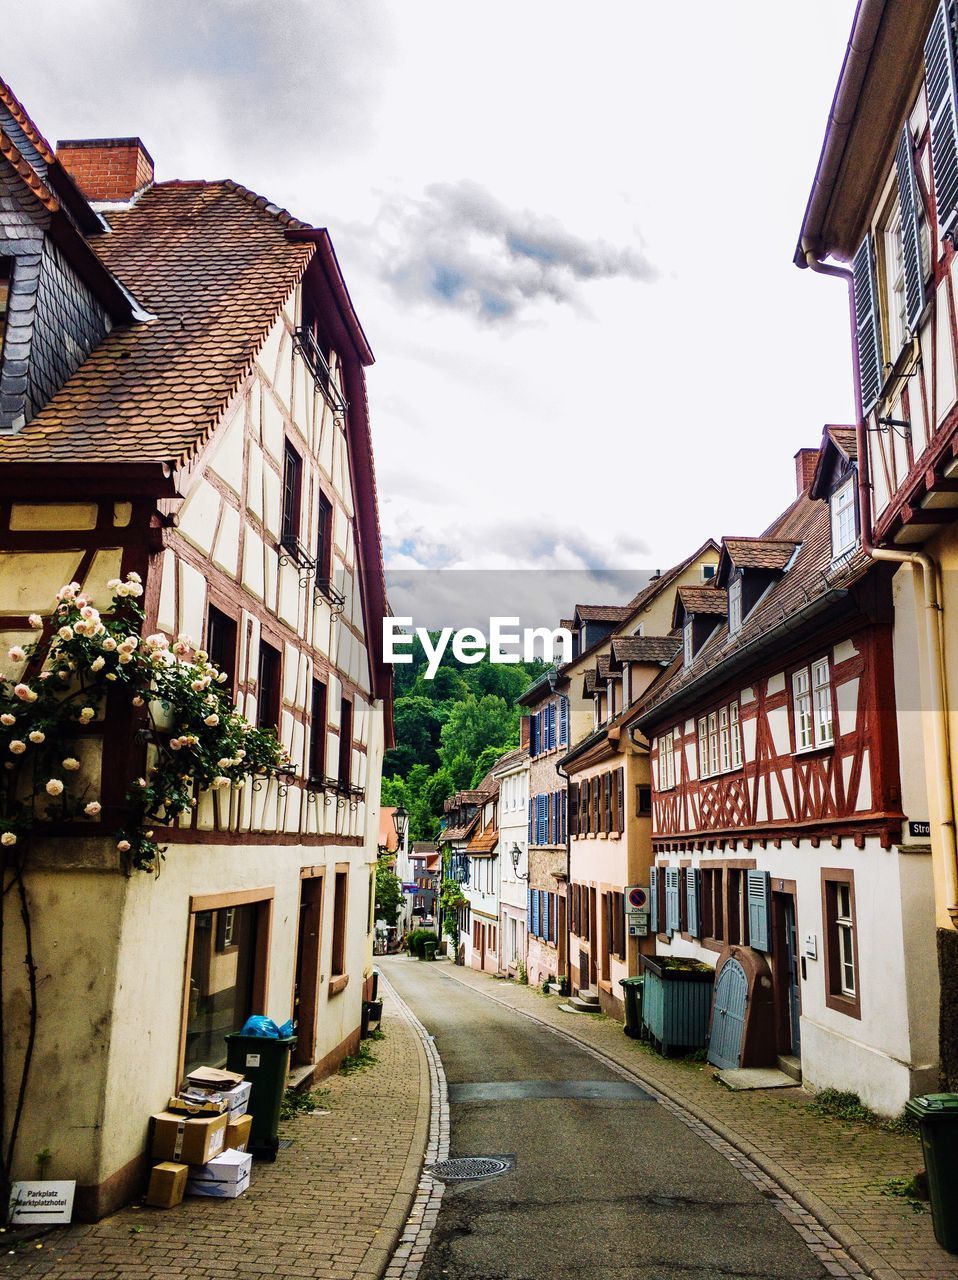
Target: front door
(593, 940)
(792, 978)
(306, 982)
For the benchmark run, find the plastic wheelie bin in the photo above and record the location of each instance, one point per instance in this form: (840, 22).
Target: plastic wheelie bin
(632, 991)
(937, 1116)
(429, 950)
(264, 1061)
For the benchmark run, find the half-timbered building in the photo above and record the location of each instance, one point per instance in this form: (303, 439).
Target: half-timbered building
(182, 396)
(883, 215)
(782, 856)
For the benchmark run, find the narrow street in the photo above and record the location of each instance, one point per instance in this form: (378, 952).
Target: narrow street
(605, 1182)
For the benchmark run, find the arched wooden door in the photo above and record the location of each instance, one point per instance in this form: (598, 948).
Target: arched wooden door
(728, 1016)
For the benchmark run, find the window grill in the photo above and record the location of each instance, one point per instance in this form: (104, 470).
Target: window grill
(318, 365)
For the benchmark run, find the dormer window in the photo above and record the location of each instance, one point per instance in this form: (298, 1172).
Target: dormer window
(735, 606)
(843, 521)
(688, 650)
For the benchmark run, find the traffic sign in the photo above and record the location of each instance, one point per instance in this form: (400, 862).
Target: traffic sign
(636, 898)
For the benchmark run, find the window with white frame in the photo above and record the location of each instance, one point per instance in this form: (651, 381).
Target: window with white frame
(845, 929)
(735, 606)
(842, 506)
(719, 740)
(687, 650)
(667, 761)
(895, 282)
(812, 704)
(735, 735)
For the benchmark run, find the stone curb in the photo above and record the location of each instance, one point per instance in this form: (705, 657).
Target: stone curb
(829, 1238)
(411, 1240)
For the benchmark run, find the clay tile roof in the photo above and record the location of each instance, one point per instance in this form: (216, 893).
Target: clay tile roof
(11, 153)
(588, 683)
(214, 263)
(664, 579)
(708, 600)
(845, 439)
(602, 667)
(602, 612)
(486, 840)
(420, 847)
(510, 758)
(644, 649)
(19, 113)
(759, 553)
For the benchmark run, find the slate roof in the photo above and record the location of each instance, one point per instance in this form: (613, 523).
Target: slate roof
(643, 649)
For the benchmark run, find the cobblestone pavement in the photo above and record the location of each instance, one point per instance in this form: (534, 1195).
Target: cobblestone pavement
(332, 1207)
(837, 1171)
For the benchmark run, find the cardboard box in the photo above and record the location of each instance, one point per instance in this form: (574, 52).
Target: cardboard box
(234, 1100)
(167, 1184)
(213, 1078)
(237, 1132)
(187, 1139)
(207, 1105)
(225, 1176)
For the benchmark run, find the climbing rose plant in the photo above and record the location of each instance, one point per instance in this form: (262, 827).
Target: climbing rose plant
(197, 739)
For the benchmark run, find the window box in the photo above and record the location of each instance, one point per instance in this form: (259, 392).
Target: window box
(677, 1002)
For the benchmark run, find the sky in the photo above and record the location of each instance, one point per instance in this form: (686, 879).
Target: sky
(567, 231)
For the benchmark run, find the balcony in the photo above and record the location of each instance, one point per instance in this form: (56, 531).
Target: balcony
(318, 365)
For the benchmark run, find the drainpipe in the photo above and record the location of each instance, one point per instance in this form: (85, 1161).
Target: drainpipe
(568, 875)
(920, 560)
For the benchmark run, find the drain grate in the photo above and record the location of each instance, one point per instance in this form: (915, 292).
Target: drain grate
(468, 1168)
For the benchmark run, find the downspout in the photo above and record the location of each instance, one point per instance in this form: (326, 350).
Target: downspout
(938, 706)
(568, 874)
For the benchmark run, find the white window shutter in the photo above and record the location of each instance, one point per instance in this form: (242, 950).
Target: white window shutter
(940, 86)
(909, 202)
(759, 910)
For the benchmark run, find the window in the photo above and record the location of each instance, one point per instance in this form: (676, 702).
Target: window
(292, 495)
(703, 747)
(708, 572)
(735, 606)
(713, 742)
(221, 643)
(338, 960)
(267, 687)
(735, 735)
(844, 532)
(324, 540)
(317, 741)
(345, 744)
(896, 299)
(841, 941)
(643, 800)
(667, 761)
(5, 280)
(812, 704)
(687, 650)
(725, 750)
(316, 346)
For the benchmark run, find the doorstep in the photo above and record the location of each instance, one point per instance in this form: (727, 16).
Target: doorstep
(739, 1078)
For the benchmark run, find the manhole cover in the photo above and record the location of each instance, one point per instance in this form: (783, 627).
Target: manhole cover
(469, 1167)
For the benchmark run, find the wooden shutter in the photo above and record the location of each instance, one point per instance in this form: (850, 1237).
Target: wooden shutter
(563, 721)
(654, 899)
(692, 899)
(866, 324)
(940, 83)
(533, 736)
(535, 912)
(573, 807)
(531, 840)
(908, 199)
(759, 903)
(529, 909)
(671, 900)
(596, 824)
(620, 796)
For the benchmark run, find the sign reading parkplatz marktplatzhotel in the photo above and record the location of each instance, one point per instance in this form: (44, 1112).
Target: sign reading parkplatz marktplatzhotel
(505, 642)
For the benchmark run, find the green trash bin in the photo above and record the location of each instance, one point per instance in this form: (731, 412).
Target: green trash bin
(429, 950)
(937, 1116)
(265, 1063)
(632, 990)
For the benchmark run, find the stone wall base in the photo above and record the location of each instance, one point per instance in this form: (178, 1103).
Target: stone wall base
(948, 1018)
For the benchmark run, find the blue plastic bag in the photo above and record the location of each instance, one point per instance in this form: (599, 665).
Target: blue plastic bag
(287, 1029)
(260, 1025)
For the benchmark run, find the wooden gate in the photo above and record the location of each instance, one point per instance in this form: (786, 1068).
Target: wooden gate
(728, 1016)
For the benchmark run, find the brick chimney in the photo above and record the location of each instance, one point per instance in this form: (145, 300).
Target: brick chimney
(524, 732)
(806, 460)
(107, 169)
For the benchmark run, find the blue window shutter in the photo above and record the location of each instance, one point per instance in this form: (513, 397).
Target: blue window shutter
(533, 736)
(940, 82)
(529, 908)
(671, 900)
(535, 912)
(759, 905)
(654, 899)
(909, 202)
(692, 899)
(565, 817)
(563, 721)
(531, 841)
(867, 324)
(552, 923)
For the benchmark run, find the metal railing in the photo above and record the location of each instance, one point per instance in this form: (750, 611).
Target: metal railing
(315, 358)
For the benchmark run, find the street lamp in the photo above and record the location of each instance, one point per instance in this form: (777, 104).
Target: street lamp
(515, 853)
(400, 822)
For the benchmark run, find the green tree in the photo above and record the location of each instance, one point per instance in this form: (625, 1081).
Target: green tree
(418, 721)
(389, 893)
(474, 724)
(487, 758)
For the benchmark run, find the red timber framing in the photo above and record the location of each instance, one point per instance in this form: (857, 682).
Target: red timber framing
(786, 795)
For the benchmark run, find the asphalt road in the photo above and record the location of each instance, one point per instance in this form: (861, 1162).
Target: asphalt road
(605, 1184)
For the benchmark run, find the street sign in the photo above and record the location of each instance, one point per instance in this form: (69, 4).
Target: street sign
(636, 898)
(410, 888)
(918, 829)
(41, 1202)
(638, 922)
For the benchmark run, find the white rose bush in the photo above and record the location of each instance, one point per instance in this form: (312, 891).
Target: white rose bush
(83, 665)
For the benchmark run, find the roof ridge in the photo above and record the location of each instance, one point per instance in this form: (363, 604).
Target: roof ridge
(22, 117)
(15, 157)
